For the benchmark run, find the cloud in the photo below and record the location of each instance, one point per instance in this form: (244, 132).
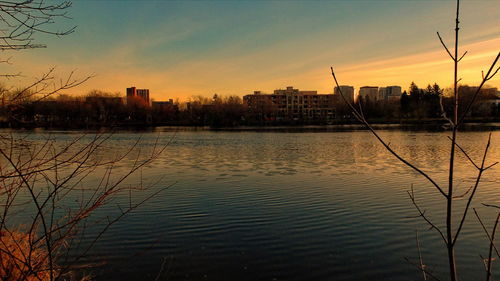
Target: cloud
(190, 52)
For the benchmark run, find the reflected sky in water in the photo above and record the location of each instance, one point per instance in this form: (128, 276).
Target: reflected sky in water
(290, 206)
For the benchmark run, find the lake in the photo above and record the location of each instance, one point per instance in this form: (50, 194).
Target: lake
(289, 205)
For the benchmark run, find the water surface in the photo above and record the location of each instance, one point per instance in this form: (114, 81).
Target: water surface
(291, 206)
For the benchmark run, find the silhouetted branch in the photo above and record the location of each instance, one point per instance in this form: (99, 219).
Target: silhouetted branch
(492, 206)
(422, 214)
(46, 86)
(466, 154)
(490, 74)
(50, 175)
(490, 166)
(360, 118)
(23, 19)
(476, 184)
(450, 238)
(420, 259)
(463, 195)
(492, 244)
(445, 47)
(422, 269)
(465, 53)
(490, 239)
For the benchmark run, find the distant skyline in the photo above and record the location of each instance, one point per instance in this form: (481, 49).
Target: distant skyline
(187, 48)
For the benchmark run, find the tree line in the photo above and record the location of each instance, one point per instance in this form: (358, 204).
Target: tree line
(430, 102)
(98, 108)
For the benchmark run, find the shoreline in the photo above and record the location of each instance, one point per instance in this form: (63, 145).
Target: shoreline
(422, 126)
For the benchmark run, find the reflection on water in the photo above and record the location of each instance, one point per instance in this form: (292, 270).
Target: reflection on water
(291, 206)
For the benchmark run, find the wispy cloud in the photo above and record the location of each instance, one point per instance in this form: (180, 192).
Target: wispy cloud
(181, 49)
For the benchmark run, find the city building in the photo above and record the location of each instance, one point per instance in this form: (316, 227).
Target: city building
(133, 92)
(291, 104)
(164, 111)
(487, 92)
(368, 93)
(487, 102)
(347, 92)
(163, 105)
(389, 93)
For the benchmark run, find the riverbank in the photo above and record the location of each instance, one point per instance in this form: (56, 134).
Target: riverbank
(430, 127)
(344, 124)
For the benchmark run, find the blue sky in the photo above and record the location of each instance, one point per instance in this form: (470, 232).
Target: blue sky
(186, 48)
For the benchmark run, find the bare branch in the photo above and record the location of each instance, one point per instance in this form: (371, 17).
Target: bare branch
(422, 215)
(462, 56)
(489, 74)
(360, 118)
(486, 231)
(22, 20)
(476, 184)
(491, 238)
(490, 166)
(493, 74)
(492, 244)
(464, 194)
(466, 154)
(50, 175)
(423, 269)
(420, 260)
(444, 46)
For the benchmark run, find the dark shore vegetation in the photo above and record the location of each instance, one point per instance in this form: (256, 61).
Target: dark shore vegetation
(100, 109)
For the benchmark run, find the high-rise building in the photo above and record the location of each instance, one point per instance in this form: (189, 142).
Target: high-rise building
(347, 92)
(389, 93)
(133, 92)
(368, 92)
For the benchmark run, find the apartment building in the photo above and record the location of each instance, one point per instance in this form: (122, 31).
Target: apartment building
(292, 104)
(163, 105)
(389, 93)
(347, 92)
(133, 92)
(368, 93)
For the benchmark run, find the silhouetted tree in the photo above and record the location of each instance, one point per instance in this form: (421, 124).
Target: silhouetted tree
(452, 230)
(405, 104)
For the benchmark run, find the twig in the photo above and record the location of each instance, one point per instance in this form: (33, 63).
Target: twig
(420, 260)
(422, 215)
(486, 231)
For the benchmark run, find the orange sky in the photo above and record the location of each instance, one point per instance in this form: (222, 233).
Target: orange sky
(263, 46)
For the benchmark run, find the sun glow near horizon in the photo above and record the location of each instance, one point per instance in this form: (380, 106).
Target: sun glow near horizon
(258, 46)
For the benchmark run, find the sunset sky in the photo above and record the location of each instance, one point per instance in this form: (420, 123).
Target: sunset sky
(185, 48)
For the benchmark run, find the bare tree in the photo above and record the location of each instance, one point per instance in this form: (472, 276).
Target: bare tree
(19, 22)
(451, 233)
(45, 178)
